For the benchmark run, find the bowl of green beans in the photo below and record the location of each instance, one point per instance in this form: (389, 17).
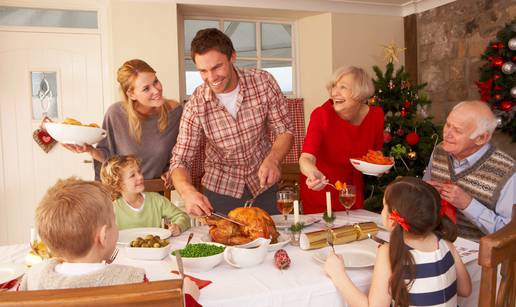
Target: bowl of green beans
(200, 257)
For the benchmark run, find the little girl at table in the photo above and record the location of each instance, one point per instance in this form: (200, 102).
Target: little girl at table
(133, 207)
(420, 266)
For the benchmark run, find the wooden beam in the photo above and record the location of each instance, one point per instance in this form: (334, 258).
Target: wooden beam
(411, 60)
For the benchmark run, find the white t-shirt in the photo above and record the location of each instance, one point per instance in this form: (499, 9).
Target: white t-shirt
(229, 100)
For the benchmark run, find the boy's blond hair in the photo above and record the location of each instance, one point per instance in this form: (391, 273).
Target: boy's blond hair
(111, 172)
(70, 214)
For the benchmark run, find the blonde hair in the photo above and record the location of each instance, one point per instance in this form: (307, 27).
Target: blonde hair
(127, 74)
(362, 87)
(70, 214)
(484, 118)
(111, 173)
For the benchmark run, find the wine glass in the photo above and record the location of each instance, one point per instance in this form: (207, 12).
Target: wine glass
(285, 202)
(347, 197)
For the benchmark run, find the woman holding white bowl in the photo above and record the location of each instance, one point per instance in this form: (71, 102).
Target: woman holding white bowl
(144, 123)
(344, 127)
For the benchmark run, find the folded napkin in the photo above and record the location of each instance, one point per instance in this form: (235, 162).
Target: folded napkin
(8, 285)
(200, 282)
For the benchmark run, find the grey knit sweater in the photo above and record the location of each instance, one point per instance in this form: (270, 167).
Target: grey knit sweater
(44, 277)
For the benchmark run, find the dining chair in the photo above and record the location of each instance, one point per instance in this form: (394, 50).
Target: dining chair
(157, 293)
(156, 185)
(498, 248)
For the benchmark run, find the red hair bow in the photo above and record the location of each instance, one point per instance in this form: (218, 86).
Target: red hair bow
(448, 210)
(395, 216)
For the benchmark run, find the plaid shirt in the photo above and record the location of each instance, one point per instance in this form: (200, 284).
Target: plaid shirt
(235, 148)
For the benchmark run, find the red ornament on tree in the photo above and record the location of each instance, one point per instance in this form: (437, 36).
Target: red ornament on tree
(501, 46)
(513, 58)
(412, 138)
(403, 112)
(400, 131)
(497, 96)
(490, 58)
(506, 105)
(498, 88)
(497, 62)
(494, 46)
(387, 137)
(496, 77)
(407, 104)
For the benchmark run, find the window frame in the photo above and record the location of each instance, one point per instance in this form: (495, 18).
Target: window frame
(293, 59)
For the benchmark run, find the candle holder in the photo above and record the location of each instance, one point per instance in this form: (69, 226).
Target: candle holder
(329, 219)
(295, 233)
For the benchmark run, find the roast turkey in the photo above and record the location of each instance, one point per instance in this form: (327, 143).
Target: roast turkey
(258, 223)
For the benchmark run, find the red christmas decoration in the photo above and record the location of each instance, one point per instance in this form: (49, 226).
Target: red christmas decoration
(281, 259)
(403, 112)
(490, 58)
(412, 138)
(513, 58)
(400, 131)
(506, 105)
(497, 62)
(44, 137)
(494, 46)
(485, 89)
(496, 77)
(387, 137)
(497, 96)
(407, 104)
(501, 46)
(498, 88)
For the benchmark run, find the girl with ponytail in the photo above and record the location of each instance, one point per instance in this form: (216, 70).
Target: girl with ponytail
(420, 266)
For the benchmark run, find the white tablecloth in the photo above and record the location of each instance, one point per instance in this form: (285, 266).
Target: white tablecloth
(303, 284)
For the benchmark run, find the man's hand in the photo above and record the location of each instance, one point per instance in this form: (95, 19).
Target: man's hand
(316, 180)
(196, 203)
(453, 194)
(269, 172)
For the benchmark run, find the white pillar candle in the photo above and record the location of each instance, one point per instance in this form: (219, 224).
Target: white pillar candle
(328, 203)
(32, 235)
(296, 211)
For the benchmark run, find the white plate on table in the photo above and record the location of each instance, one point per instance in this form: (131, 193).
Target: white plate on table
(280, 222)
(11, 271)
(283, 240)
(353, 257)
(127, 235)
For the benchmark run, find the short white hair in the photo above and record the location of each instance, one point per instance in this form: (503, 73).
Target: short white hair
(362, 87)
(485, 121)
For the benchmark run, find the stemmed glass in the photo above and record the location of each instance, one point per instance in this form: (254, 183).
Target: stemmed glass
(285, 202)
(347, 197)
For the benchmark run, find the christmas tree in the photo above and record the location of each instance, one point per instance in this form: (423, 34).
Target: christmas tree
(497, 85)
(409, 135)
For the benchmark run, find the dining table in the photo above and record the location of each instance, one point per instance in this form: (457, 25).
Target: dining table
(303, 283)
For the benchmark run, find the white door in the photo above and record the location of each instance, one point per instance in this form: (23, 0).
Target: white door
(26, 171)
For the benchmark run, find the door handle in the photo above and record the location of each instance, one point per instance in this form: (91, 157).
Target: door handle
(87, 161)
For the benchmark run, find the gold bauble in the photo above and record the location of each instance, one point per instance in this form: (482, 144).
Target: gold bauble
(412, 155)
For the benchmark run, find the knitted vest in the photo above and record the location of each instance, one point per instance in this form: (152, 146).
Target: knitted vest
(44, 277)
(483, 181)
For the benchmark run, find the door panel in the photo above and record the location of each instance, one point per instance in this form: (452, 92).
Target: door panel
(26, 171)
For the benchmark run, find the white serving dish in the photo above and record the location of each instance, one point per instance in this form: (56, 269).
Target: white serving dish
(371, 169)
(147, 253)
(127, 235)
(202, 264)
(283, 240)
(75, 134)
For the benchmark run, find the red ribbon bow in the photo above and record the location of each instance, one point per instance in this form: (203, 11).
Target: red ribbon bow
(395, 216)
(448, 210)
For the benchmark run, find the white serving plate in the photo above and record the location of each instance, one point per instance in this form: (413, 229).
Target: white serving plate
(201, 264)
(147, 253)
(353, 257)
(371, 169)
(10, 271)
(280, 222)
(283, 240)
(127, 235)
(75, 134)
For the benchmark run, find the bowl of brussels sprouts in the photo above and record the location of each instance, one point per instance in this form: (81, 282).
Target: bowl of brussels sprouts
(148, 247)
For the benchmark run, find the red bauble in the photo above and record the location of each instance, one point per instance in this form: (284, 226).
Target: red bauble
(490, 58)
(281, 259)
(498, 88)
(498, 62)
(497, 96)
(412, 138)
(514, 58)
(496, 77)
(501, 46)
(506, 105)
(387, 137)
(400, 131)
(407, 104)
(494, 46)
(403, 112)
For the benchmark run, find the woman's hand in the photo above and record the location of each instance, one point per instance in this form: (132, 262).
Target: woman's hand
(316, 180)
(78, 148)
(334, 265)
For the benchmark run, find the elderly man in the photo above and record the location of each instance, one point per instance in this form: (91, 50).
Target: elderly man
(471, 174)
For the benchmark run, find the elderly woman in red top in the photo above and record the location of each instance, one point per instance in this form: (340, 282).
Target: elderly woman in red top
(343, 127)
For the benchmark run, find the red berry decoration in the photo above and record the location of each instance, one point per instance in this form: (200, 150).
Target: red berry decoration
(501, 46)
(498, 62)
(498, 88)
(400, 131)
(494, 46)
(496, 77)
(407, 104)
(490, 58)
(412, 138)
(281, 259)
(506, 105)
(403, 112)
(497, 96)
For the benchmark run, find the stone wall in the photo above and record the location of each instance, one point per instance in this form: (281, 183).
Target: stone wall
(451, 39)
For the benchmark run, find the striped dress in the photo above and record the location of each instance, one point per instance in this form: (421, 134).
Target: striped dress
(435, 283)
